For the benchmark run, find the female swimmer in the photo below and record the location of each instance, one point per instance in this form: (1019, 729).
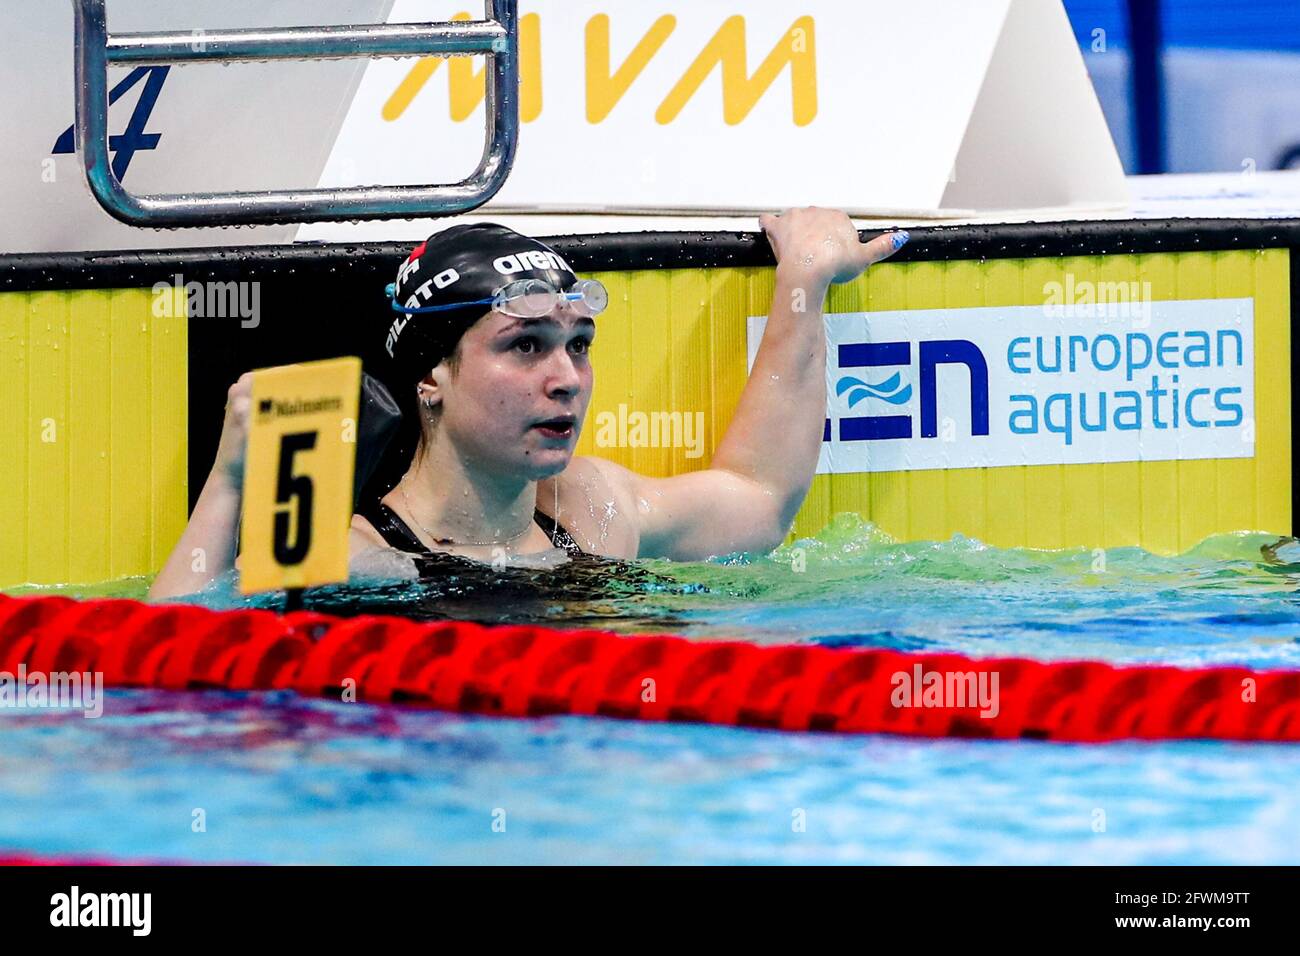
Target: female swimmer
(491, 331)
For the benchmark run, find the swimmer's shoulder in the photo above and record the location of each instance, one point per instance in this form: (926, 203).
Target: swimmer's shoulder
(362, 536)
(597, 506)
(363, 533)
(370, 556)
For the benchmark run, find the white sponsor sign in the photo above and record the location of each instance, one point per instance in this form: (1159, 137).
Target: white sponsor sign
(927, 108)
(874, 107)
(1037, 385)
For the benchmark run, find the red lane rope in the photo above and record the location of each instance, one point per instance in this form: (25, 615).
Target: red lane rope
(12, 857)
(23, 858)
(529, 671)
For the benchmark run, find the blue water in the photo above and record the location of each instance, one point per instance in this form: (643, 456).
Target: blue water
(282, 779)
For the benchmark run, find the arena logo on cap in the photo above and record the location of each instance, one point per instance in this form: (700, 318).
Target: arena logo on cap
(529, 259)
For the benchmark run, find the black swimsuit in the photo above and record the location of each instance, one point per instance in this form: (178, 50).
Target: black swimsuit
(399, 535)
(588, 588)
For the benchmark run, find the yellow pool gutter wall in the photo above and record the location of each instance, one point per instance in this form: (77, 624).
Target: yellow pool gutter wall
(674, 340)
(94, 414)
(93, 427)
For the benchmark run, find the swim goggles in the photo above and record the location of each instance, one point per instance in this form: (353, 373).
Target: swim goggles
(525, 299)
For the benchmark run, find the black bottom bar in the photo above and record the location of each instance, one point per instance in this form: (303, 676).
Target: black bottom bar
(498, 906)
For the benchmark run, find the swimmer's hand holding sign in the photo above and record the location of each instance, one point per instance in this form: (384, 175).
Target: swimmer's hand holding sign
(284, 472)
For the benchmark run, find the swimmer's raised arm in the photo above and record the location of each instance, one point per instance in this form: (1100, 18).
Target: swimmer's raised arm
(747, 499)
(207, 548)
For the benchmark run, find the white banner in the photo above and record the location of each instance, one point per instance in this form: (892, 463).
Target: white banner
(875, 107)
(1133, 380)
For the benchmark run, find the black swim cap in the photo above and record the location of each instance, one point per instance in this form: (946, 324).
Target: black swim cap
(465, 263)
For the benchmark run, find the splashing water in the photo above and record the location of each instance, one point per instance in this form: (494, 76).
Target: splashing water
(291, 780)
(1233, 599)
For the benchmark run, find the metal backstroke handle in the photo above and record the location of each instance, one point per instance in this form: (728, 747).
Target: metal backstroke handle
(497, 37)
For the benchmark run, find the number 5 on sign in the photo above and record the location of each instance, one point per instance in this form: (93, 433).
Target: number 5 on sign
(298, 475)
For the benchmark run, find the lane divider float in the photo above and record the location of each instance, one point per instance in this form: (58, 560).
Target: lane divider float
(529, 671)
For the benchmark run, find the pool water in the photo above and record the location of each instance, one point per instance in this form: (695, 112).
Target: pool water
(217, 776)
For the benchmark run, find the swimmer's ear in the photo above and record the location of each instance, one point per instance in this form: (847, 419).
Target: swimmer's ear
(429, 391)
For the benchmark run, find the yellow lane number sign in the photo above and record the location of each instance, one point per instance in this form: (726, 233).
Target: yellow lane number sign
(298, 475)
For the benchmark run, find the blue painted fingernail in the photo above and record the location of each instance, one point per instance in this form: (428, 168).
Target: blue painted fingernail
(900, 239)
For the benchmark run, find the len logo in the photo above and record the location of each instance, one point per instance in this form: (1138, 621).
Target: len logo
(932, 355)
